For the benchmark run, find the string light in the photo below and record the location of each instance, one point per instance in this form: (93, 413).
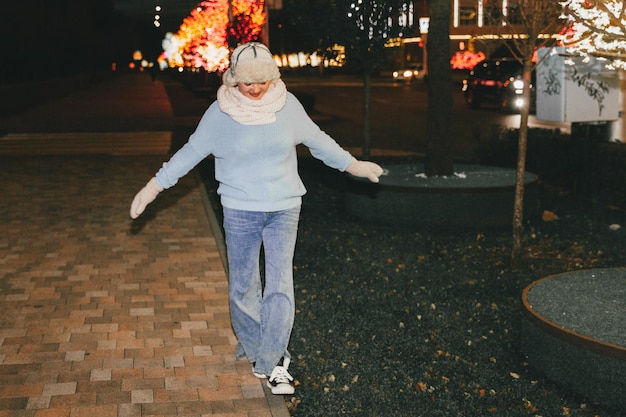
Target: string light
(597, 28)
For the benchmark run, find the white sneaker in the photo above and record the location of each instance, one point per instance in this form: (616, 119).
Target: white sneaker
(280, 382)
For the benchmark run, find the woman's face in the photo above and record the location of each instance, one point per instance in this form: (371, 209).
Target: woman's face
(254, 91)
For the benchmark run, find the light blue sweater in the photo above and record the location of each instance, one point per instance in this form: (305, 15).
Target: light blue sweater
(256, 166)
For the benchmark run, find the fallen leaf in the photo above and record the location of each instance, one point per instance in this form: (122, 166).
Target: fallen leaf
(530, 407)
(292, 405)
(548, 216)
(420, 386)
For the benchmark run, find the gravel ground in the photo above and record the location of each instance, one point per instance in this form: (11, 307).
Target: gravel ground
(398, 322)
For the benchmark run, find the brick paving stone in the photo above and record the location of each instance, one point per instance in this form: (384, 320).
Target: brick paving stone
(263, 413)
(106, 410)
(16, 391)
(36, 403)
(176, 396)
(222, 406)
(75, 356)
(76, 400)
(53, 412)
(221, 393)
(129, 410)
(252, 391)
(64, 388)
(100, 375)
(142, 396)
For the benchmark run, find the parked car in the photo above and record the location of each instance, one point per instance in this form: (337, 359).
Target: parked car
(409, 73)
(499, 83)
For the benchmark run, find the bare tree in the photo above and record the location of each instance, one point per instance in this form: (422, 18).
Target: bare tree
(525, 26)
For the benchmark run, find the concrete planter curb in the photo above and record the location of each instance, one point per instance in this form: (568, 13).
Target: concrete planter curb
(474, 197)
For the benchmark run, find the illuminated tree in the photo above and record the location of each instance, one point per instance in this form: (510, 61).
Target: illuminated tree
(597, 28)
(361, 28)
(364, 27)
(202, 39)
(247, 23)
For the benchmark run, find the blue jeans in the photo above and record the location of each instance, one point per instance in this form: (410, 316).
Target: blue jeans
(262, 317)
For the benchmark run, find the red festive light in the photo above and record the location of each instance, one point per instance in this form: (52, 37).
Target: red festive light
(466, 60)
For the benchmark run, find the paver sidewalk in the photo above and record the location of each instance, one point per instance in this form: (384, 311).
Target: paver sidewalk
(104, 316)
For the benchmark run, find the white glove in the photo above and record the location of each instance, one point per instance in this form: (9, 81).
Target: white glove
(144, 197)
(365, 169)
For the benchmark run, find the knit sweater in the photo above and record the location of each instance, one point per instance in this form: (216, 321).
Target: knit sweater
(256, 166)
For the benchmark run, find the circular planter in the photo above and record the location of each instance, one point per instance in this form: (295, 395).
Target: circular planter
(573, 332)
(473, 197)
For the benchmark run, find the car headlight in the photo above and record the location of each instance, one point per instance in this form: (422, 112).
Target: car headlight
(407, 74)
(518, 84)
(395, 74)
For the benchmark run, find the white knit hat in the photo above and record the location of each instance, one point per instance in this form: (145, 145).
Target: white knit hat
(251, 63)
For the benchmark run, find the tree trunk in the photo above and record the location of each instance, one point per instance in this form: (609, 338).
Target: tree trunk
(518, 206)
(366, 114)
(439, 78)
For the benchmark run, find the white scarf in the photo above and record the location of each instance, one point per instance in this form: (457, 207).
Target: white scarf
(252, 112)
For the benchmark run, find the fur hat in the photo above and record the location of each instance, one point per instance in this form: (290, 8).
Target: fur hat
(251, 63)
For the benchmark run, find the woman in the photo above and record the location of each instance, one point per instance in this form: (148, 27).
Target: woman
(252, 131)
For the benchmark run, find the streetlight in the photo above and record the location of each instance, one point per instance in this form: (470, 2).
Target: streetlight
(424, 22)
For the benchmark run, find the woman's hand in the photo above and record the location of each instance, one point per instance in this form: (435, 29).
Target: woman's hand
(365, 169)
(144, 197)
